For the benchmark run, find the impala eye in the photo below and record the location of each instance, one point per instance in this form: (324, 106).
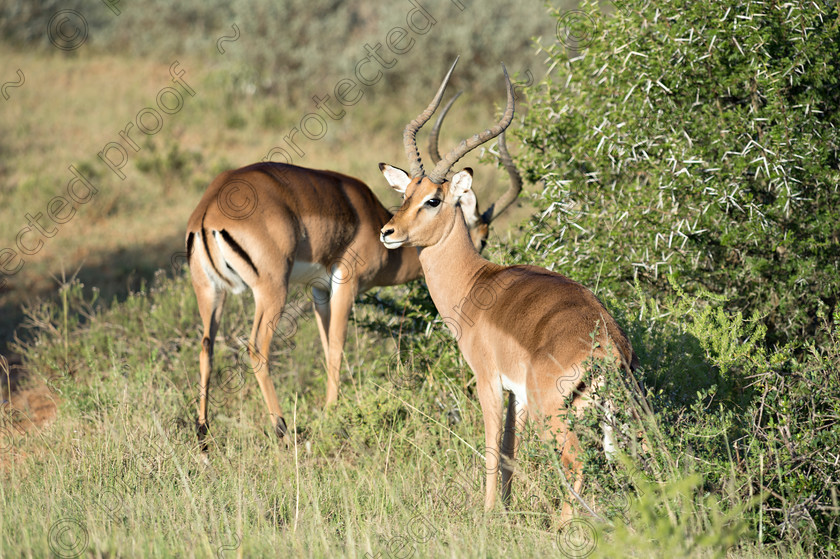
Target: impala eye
(433, 202)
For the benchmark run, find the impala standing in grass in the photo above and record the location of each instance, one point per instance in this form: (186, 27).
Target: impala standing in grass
(269, 225)
(522, 329)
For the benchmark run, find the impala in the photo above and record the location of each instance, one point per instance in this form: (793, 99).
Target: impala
(522, 329)
(269, 225)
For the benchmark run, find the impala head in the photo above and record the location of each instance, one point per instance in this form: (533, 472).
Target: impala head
(430, 203)
(428, 209)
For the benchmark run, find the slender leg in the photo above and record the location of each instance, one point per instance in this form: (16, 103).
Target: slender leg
(574, 471)
(569, 444)
(509, 449)
(268, 317)
(321, 304)
(341, 302)
(210, 304)
(490, 397)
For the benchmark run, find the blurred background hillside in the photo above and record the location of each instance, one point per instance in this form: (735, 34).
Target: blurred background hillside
(255, 67)
(295, 47)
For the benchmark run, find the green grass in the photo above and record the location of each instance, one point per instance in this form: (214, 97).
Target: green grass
(120, 467)
(119, 473)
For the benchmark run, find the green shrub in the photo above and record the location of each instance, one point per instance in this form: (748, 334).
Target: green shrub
(791, 451)
(689, 164)
(174, 166)
(757, 427)
(695, 140)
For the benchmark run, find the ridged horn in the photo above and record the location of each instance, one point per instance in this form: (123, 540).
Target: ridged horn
(510, 195)
(443, 166)
(410, 133)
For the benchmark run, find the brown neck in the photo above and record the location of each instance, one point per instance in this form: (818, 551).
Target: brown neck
(450, 266)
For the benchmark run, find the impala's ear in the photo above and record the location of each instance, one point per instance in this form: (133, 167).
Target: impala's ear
(460, 184)
(396, 177)
(469, 207)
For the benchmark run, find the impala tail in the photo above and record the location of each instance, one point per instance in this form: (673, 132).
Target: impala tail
(225, 262)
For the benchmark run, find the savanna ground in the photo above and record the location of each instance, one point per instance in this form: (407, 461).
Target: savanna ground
(101, 331)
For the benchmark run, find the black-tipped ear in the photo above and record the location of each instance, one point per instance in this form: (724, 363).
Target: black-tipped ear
(468, 170)
(396, 177)
(460, 183)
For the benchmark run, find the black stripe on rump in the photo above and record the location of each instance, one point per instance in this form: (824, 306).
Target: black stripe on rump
(210, 256)
(239, 250)
(190, 247)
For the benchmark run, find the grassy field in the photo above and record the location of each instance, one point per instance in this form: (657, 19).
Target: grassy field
(98, 449)
(394, 469)
(120, 471)
(100, 333)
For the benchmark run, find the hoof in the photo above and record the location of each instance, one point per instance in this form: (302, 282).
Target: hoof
(201, 431)
(280, 428)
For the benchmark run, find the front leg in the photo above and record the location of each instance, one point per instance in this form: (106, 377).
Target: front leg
(490, 397)
(514, 420)
(341, 302)
(321, 304)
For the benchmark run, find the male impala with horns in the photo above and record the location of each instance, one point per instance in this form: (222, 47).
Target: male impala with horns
(531, 330)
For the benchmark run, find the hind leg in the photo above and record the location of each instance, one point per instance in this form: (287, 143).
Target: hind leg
(211, 301)
(570, 447)
(573, 469)
(270, 318)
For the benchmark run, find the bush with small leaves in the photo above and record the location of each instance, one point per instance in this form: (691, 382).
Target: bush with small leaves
(695, 140)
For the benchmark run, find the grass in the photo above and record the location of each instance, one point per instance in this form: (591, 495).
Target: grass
(393, 469)
(121, 469)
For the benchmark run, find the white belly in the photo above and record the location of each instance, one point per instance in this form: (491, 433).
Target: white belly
(517, 389)
(308, 272)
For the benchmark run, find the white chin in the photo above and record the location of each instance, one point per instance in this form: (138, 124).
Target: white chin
(392, 244)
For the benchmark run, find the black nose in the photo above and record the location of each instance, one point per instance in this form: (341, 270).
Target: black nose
(387, 232)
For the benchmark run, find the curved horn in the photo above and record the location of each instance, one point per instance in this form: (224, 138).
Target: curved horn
(410, 133)
(443, 166)
(510, 195)
(434, 154)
